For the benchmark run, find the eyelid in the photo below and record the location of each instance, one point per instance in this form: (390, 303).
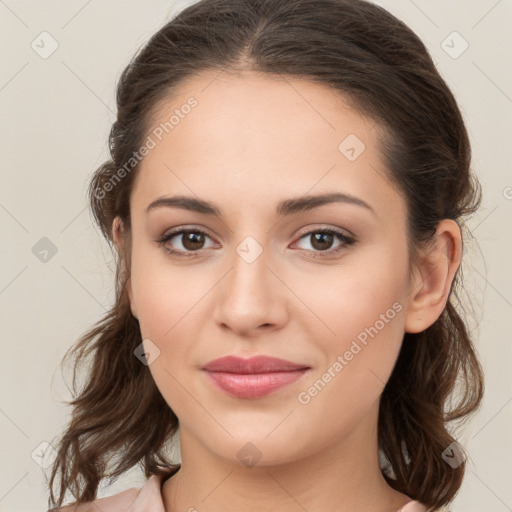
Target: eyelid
(326, 227)
(180, 229)
(306, 231)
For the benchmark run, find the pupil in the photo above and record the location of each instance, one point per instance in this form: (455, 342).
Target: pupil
(193, 239)
(321, 237)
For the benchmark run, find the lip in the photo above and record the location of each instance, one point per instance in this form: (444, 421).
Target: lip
(256, 364)
(254, 377)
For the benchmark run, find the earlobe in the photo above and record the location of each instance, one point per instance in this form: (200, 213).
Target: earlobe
(118, 240)
(130, 296)
(116, 233)
(431, 285)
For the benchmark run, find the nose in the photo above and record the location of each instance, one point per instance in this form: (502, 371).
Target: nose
(251, 298)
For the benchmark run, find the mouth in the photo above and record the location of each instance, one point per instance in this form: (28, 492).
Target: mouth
(255, 377)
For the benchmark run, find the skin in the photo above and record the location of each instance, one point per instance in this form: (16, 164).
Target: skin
(252, 141)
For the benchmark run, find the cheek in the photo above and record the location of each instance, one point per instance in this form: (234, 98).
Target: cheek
(364, 329)
(359, 329)
(357, 360)
(168, 306)
(164, 294)
(365, 293)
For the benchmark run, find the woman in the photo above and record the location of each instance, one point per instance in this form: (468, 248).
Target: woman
(286, 192)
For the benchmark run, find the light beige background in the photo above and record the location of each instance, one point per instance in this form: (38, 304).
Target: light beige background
(56, 114)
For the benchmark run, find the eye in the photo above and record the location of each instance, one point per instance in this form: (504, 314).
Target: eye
(322, 239)
(191, 241)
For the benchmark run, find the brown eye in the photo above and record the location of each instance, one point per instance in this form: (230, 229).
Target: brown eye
(321, 241)
(192, 240)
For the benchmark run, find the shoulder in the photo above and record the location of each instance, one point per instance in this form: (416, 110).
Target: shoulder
(413, 506)
(147, 497)
(416, 506)
(116, 503)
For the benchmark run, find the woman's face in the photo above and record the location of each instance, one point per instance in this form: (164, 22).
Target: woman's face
(262, 279)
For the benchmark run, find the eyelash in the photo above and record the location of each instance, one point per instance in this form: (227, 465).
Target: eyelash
(347, 241)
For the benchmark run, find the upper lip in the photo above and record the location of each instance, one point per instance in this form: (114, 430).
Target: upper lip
(257, 364)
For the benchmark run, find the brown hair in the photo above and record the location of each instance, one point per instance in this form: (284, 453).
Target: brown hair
(374, 60)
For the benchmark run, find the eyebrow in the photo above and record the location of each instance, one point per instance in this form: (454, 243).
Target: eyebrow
(284, 208)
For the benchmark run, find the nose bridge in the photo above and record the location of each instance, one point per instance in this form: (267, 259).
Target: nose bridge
(249, 297)
(249, 277)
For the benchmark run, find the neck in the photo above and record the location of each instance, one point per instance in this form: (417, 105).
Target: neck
(340, 478)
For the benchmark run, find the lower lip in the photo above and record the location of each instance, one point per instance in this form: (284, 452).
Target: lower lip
(254, 385)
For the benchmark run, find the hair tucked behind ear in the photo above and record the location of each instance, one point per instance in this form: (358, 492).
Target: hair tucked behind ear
(376, 62)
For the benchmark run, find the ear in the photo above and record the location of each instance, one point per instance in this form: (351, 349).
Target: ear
(118, 236)
(432, 281)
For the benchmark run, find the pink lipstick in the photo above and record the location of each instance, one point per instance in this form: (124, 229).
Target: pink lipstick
(254, 377)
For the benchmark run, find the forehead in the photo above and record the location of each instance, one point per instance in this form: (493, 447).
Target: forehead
(260, 135)
(259, 107)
